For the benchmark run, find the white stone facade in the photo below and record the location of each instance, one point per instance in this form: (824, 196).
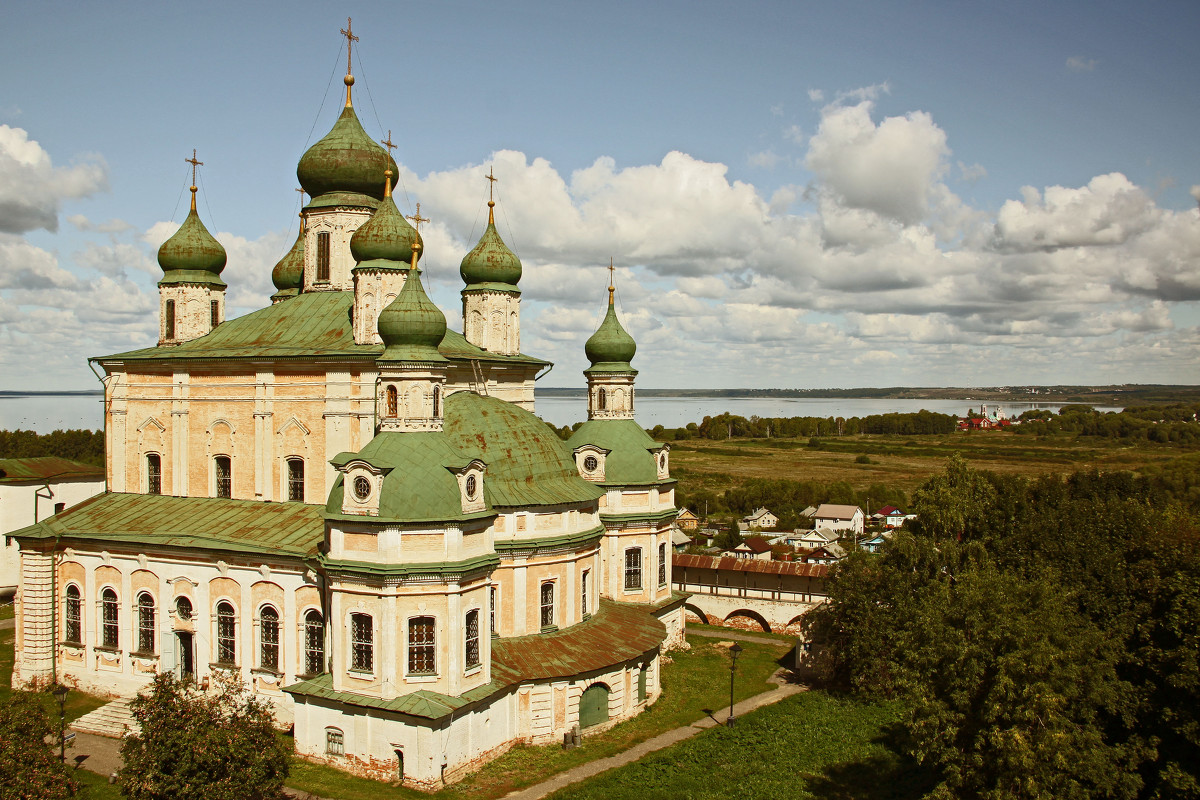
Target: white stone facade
(188, 311)
(327, 245)
(492, 320)
(17, 507)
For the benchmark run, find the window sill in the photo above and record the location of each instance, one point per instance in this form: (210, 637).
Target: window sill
(144, 656)
(360, 674)
(227, 666)
(74, 645)
(274, 673)
(586, 616)
(635, 590)
(103, 648)
(421, 677)
(474, 669)
(549, 629)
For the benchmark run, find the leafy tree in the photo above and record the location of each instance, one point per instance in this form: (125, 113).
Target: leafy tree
(955, 503)
(29, 767)
(218, 746)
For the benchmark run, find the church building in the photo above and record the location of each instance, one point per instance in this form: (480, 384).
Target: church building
(355, 510)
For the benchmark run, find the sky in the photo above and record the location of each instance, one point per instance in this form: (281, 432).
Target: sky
(795, 195)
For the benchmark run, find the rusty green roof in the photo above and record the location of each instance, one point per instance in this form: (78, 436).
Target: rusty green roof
(527, 464)
(630, 460)
(617, 633)
(207, 523)
(48, 468)
(309, 325)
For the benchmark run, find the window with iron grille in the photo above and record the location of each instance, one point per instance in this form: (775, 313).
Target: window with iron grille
(268, 638)
(109, 632)
(583, 595)
(214, 309)
(153, 474)
(633, 568)
(492, 609)
(662, 564)
(74, 622)
(323, 256)
(421, 646)
(335, 742)
(224, 472)
(314, 643)
(472, 638)
(145, 623)
(169, 324)
(392, 401)
(295, 479)
(183, 608)
(226, 634)
(547, 604)
(362, 643)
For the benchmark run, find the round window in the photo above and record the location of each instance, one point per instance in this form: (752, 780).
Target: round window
(591, 463)
(183, 608)
(472, 485)
(362, 488)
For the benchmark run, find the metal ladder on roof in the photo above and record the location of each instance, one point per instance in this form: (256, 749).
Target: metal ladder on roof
(480, 379)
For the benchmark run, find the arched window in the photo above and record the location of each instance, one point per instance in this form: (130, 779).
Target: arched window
(109, 631)
(295, 480)
(548, 604)
(183, 608)
(314, 643)
(323, 257)
(145, 604)
(335, 742)
(153, 473)
(472, 638)
(602, 399)
(169, 323)
(422, 646)
(268, 638)
(437, 401)
(362, 643)
(662, 564)
(392, 401)
(214, 309)
(633, 568)
(71, 613)
(226, 634)
(583, 593)
(223, 468)
(492, 609)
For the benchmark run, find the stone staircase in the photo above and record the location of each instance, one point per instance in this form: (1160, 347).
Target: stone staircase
(112, 719)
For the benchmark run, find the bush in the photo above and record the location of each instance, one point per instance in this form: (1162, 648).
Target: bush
(29, 767)
(219, 746)
(863, 459)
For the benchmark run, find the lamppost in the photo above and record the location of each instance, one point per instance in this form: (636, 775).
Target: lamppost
(734, 652)
(60, 694)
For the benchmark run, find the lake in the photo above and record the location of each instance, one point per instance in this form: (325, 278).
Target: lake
(45, 413)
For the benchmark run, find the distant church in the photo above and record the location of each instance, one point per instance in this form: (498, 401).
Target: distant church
(355, 509)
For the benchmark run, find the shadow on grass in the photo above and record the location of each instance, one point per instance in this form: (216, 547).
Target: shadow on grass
(887, 776)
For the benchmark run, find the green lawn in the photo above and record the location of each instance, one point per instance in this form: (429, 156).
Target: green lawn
(810, 745)
(78, 703)
(697, 680)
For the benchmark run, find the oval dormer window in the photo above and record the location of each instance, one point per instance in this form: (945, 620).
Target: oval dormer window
(472, 487)
(591, 463)
(362, 488)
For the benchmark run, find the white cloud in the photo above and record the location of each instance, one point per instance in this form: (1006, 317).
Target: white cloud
(765, 159)
(1109, 210)
(1081, 64)
(816, 95)
(972, 173)
(794, 134)
(32, 188)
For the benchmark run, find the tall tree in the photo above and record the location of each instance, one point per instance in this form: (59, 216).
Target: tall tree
(29, 766)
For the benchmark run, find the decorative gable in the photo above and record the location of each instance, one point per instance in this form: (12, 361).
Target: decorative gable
(470, 484)
(662, 459)
(362, 488)
(589, 460)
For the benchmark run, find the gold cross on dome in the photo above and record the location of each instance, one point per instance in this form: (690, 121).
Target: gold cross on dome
(302, 193)
(348, 32)
(491, 183)
(417, 219)
(611, 270)
(388, 143)
(194, 164)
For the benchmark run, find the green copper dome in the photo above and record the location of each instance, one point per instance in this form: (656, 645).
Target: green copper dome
(385, 236)
(491, 261)
(411, 326)
(192, 255)
(288, 274)
(347, 161)
(610, 347)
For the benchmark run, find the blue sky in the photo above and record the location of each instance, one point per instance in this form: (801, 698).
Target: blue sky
(796, 194)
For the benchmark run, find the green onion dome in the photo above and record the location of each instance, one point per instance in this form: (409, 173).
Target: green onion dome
(385, 236)
(192, 255)
(491, 261)
(610, 347)
(288, 274)
(411, 326)
(346, 163)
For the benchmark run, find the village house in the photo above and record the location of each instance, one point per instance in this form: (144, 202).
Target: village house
(760, 519)
(687, 520)
(756, 547)
(839, 518)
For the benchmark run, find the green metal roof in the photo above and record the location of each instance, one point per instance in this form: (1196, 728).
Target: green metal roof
(616, 634)
(412, 326)
(252, 526)
(309, 325)
(47, 468)
(630, 460)
(610, 348)
(346, 162)
(419, 484)
(527, 464)
(288, 275)
(386, 236)
(491, 261)
(192, 255)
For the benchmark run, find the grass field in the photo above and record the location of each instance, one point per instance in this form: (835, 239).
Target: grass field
(902, 462)
(696, 681)
(809, 745)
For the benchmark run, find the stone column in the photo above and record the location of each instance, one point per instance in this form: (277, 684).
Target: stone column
(35, 662)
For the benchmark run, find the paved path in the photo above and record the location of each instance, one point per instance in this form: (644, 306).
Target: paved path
(585, 771)
(741, 637)
(7, 623)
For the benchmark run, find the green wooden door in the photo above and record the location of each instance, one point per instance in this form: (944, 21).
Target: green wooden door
(593, 705)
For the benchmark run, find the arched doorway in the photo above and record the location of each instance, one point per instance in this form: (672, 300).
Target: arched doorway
(747, 620)
(593, 705)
